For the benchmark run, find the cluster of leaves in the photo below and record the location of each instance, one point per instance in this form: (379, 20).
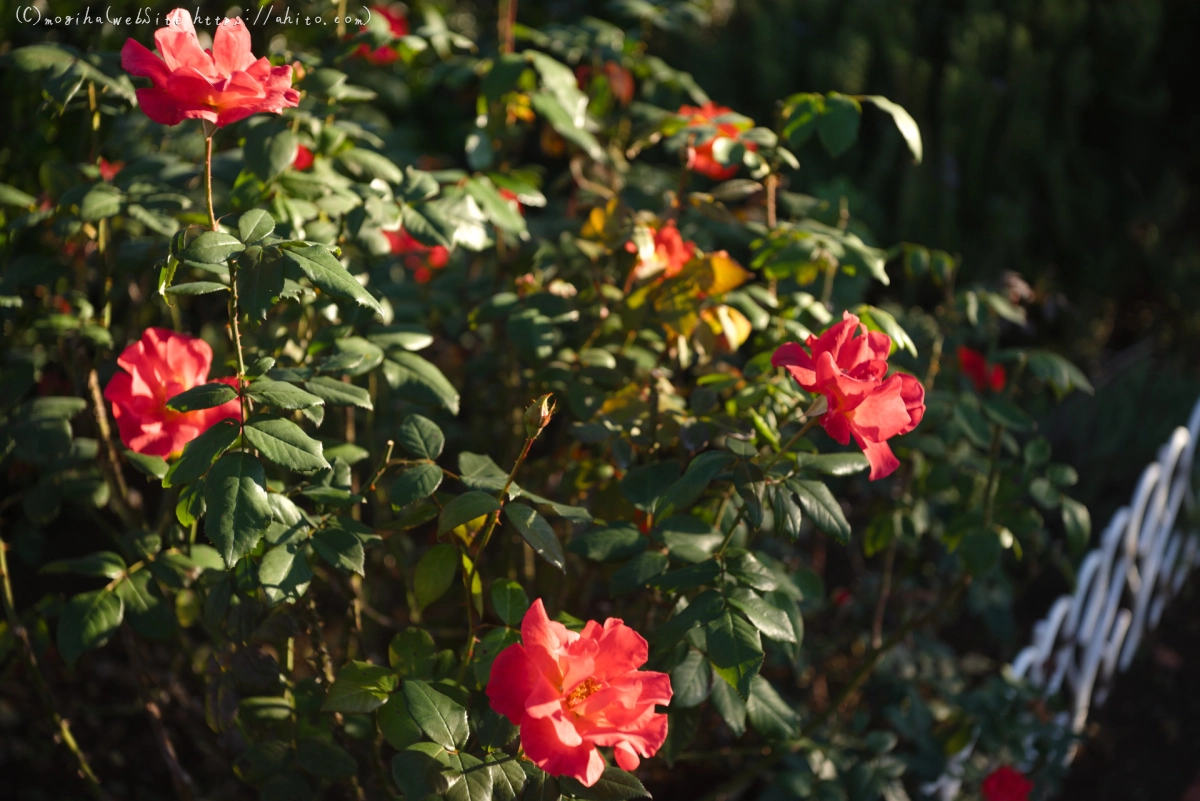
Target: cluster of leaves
(681, 486)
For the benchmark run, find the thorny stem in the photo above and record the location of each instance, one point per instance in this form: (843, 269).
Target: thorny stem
(885, 589)
(505, 24)
(112, 465)
(989, 496)
(487, 535)
(39, 682)
(179, 776)
(212, 218)
(318, 640)
(383, 466)
(772, 186)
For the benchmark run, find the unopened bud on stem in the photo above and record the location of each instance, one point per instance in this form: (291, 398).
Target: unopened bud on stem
(538, 415)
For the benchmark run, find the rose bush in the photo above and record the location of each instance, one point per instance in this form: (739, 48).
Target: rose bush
(501, 318)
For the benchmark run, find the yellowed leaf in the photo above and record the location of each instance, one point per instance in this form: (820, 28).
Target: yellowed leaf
(726, 273)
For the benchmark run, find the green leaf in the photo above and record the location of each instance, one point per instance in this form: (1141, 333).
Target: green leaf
(508, 781)
(145, 606)
(407, 336)
(510, 601)
(284, 443)
(261, 284)
(746, 568)
(1007, 414)
(833, 464)
(255, 225)
(465, 508)
(439, 717)
(421, 437)
(730, 707)
(328, 274)
(904, 123)
(750, 483)
(769, 714)
(613, 785)
(325, 760)
(412, 654)
(88, 621)
(767, 618)
(416, 483)
(1061, 374)
(198, 455)
(837, 127)
(435, 573)
(822, 508)
(102, 564)
(152, 466)
(691, 680)
(238, 511)
(269, 150)
(615, 543)
(551, 110)
(203, 396)
(338, 393)
(787, 514)
(359, 687)
(800, 114)
(687, 578)
(540, 786)
(735, 650)
(102, 200)
(537, 532)
(1078, 523)
(340, 548)
(211, 247)
(495, 206)
(878, 320)
(421, 381)
(703, 609)
(684, 493)
(638, 572)
(281, 394)
(284, 573)
(479, 472)
(193, 288)
(396, 724)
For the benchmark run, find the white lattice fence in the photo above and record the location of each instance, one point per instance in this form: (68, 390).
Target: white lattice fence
(1123, 585)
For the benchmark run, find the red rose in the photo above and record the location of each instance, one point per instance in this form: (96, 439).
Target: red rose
(669, 254)
(159, 366)
(700, 157)
(384, 55)
(220, 86)
(303, 160)
(570, 693)
(1006, 784)
(982, 374)
(847, 364)
(109, 169)
(421, 259)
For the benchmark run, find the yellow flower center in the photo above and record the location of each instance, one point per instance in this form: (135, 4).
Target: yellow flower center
(581, 692)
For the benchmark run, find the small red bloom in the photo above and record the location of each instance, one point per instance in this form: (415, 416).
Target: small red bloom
(159, 366)
(700, 158)
(303, 160)
(848, 365)
(109, 169)
(1006, 784)
(982, 375)
(570, 693)
(222, 85)
(421, 259)
(384, 55)
(670, 252)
